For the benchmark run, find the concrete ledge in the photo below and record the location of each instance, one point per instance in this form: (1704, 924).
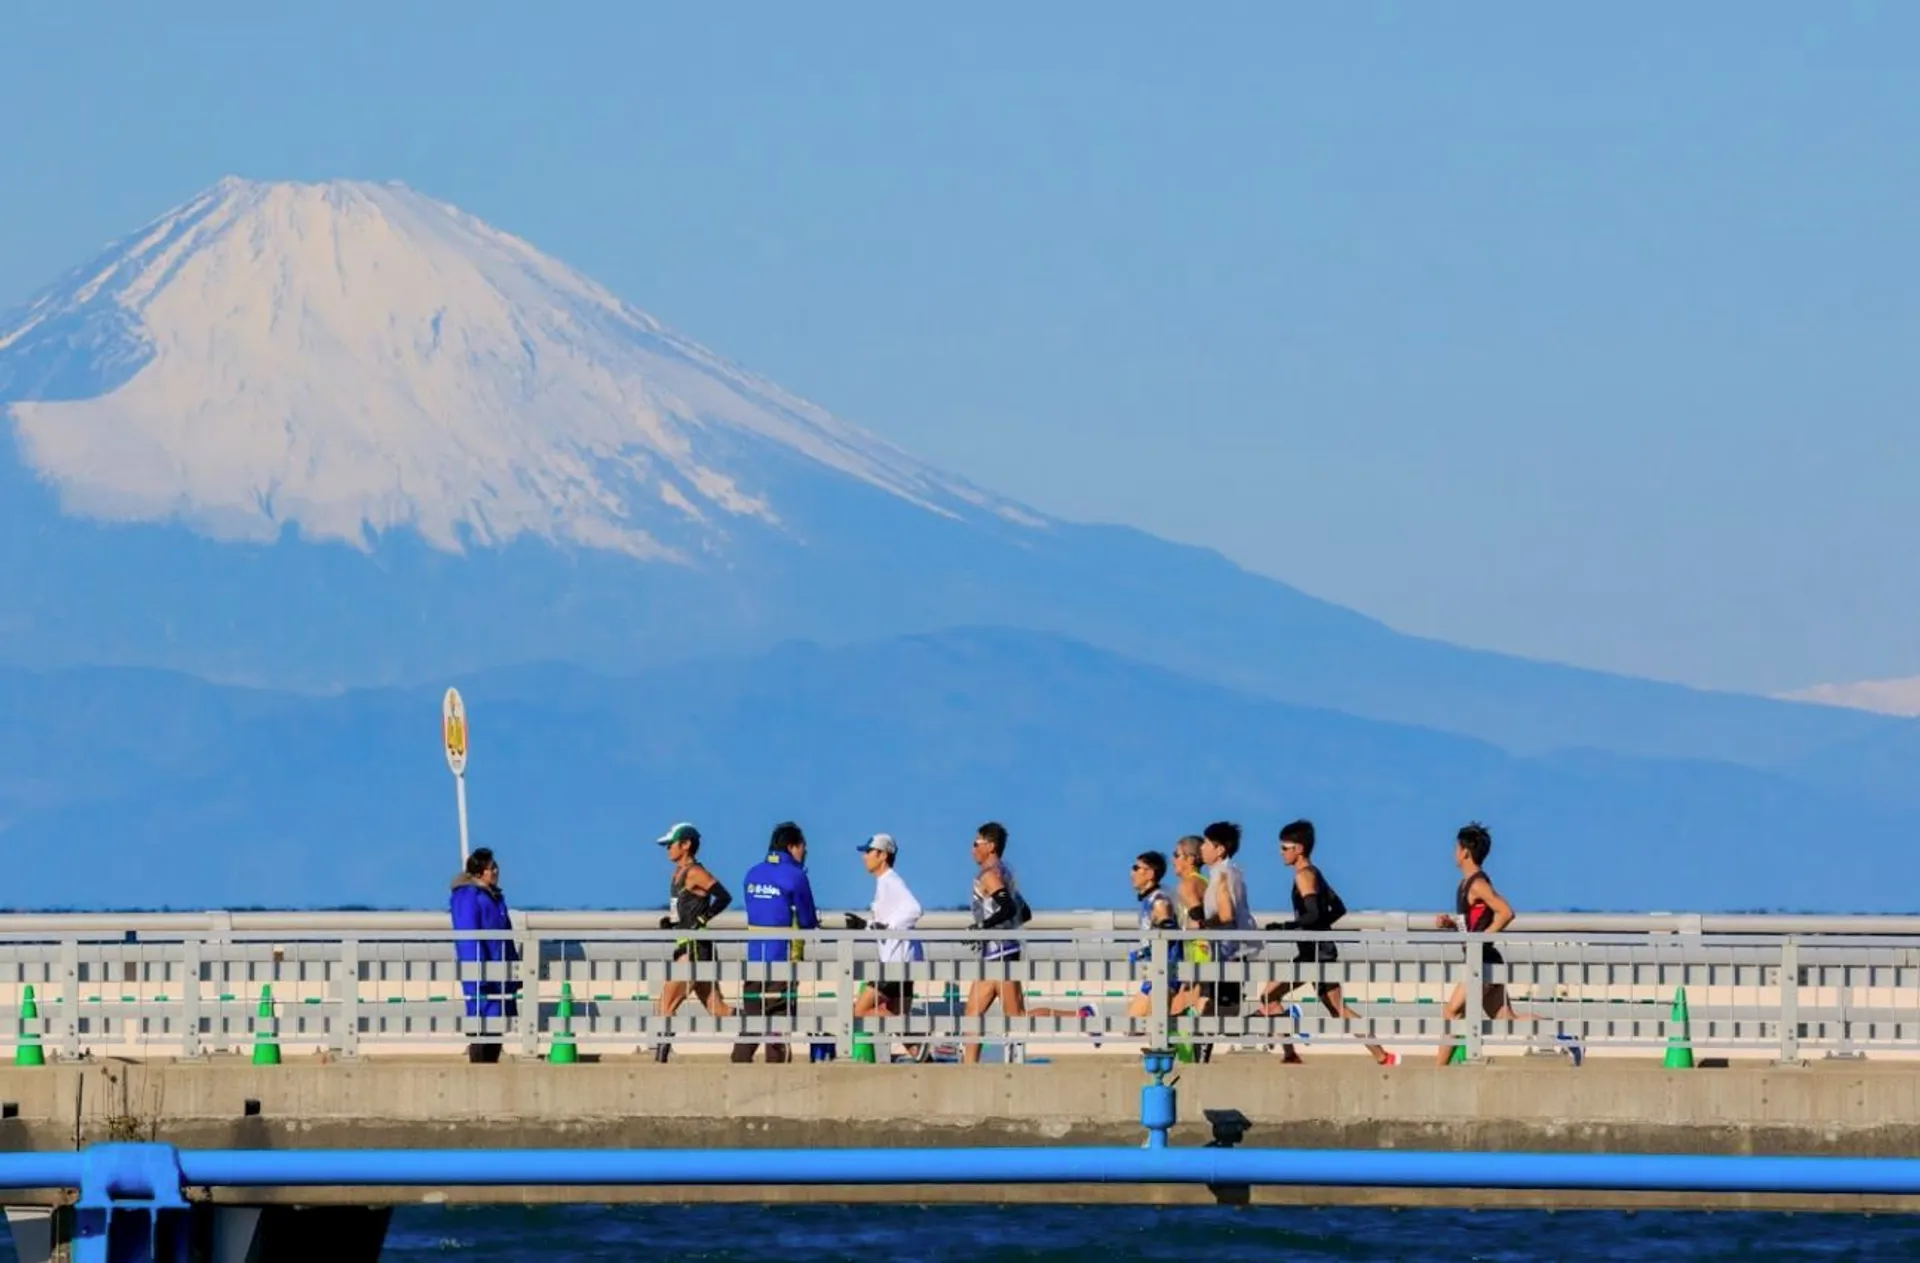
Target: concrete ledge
(1524, 1104)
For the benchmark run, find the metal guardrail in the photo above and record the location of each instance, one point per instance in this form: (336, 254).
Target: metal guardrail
(130, 987)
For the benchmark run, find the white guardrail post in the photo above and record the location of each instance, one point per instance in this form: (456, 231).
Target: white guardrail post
(1789, 1001)
(1475, 1014)
(1160, 1001)
(527, 972)
(346, 997)
(843, 997)
(190, 950)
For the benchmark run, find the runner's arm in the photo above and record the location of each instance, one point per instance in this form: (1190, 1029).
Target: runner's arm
(1502, 910)
(910, 912)
(1227, 911)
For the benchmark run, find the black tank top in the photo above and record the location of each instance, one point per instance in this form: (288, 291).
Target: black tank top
(685, 903)
(1331, 908)
(1475, 914)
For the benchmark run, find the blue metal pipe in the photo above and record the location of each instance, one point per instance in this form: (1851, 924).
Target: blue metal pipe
(41, 1170)
(1309, 1167)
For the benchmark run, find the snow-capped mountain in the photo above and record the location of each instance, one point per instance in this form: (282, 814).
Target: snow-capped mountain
(339, 435)
(353, 359)
(1886, 697)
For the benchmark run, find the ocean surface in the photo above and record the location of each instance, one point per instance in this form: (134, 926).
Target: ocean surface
(944, 1234)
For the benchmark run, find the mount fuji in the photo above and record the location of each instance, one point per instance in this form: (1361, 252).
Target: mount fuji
(317, 437)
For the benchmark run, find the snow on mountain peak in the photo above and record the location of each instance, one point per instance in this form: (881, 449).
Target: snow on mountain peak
(1886, 697)
(356, 358)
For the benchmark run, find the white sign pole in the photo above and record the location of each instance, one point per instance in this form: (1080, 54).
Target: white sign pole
(453, 731)
(460, 793)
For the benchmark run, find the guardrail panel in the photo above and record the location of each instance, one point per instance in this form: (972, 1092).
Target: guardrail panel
(371, 993)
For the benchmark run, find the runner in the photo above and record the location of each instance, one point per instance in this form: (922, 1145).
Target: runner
(1481, 910)
(996, 903)
(1225, 907)
(1316, 906)
(1189, 892)
(694, 899)
(1157, 912)
(893, 908)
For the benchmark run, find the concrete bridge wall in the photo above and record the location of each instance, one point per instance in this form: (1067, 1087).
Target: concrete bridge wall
(1543, 1104)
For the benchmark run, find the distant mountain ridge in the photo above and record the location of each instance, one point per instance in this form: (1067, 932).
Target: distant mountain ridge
(127, 788)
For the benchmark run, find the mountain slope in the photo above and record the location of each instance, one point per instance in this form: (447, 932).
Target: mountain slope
(323, 436)
(374, 364)
(1088, 757)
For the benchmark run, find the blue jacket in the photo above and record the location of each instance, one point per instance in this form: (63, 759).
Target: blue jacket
(778, 896)
(473, 906)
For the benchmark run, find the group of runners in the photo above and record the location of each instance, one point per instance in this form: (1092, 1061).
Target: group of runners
(1201, 889)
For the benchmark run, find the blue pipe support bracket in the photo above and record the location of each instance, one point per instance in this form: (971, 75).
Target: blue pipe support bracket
(1041, 1165)
(1158, 1113)
(131, 1208)
(1158, 1109)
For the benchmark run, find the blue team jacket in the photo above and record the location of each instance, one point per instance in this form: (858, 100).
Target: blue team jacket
(778, 896)
(473, 906)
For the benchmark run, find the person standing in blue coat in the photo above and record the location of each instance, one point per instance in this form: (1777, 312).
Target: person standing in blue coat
(486, 965)
(776, 896)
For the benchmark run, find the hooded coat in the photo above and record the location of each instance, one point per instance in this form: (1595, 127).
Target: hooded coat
(474, 905)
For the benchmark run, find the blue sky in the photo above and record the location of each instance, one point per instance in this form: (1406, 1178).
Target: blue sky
(1587, 335)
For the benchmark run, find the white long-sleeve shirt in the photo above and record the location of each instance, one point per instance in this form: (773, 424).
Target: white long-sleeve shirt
(895, 908)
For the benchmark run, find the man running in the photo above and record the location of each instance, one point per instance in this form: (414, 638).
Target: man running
(778, 897)
(997, 904)
(894, 908)
(1481, 911)
(1316, 906)
(1157, 912)
(694, 899)
(1224, 907)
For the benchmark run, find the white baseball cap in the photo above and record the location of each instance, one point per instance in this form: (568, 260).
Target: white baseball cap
(881, 842)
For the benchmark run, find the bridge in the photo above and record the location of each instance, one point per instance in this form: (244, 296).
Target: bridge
(1802, 1035)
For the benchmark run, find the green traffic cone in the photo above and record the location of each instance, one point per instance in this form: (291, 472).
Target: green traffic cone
(266, 1031)
(28, 1052)
(1679, 1034)
(563, 1052)
(1459, 1055)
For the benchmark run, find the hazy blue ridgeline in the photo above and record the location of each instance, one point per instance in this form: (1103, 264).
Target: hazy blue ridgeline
(129, 788)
